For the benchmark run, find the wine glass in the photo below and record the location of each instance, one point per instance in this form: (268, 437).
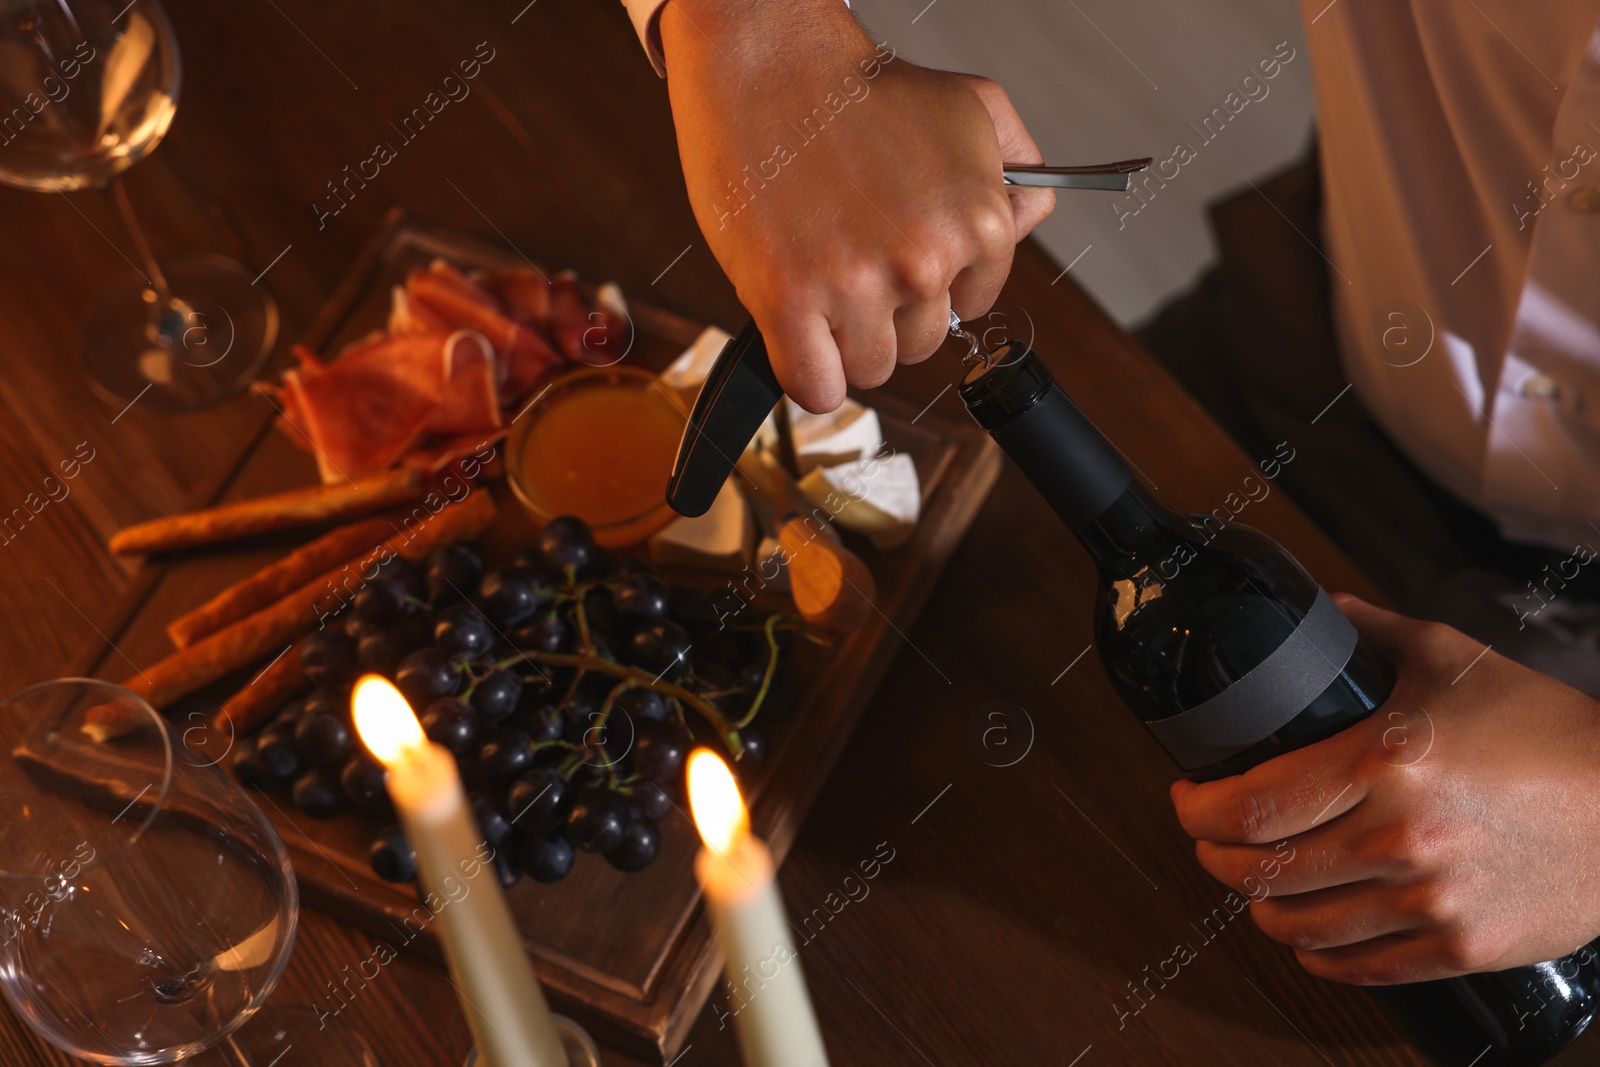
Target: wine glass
(87, 89)
(147, 906)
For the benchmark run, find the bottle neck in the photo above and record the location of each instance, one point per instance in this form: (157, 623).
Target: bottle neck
(1080, 474)
(1134, 532)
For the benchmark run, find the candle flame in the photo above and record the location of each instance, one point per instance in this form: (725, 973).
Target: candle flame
(386, 723)
(719, 812)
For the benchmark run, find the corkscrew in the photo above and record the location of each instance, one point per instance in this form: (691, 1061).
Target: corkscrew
(742, 389)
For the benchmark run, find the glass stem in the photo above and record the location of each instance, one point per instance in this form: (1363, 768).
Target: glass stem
(141, 245)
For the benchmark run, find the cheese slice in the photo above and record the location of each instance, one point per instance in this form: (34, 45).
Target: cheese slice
(880, 498)
(849, 433)
(772, 560)
(721, 540)
(688, 371)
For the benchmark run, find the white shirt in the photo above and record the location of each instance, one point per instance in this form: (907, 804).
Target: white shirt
(1461, 165)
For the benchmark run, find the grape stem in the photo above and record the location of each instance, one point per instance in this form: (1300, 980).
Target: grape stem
(590, 662)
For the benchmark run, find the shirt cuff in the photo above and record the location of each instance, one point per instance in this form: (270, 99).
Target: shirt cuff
(646, 15)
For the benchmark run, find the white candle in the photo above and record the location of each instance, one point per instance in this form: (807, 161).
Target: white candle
(774, 1020)
(500, 996)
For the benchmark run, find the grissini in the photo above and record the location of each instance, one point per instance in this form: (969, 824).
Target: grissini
(319, 602)
(279, 511)
(278, 579)
(261, 697)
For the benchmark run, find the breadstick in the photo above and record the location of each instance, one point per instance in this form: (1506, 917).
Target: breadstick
(245, 518)
(278, 579)
(261, 697)
(314, 603)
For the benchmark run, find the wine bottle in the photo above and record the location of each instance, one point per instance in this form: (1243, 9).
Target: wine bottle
(1230, 654)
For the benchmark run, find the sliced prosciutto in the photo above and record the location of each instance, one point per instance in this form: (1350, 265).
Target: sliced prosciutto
(458, 357)
(362, 412)
(471, 400)
(525, 294)
(449, 294)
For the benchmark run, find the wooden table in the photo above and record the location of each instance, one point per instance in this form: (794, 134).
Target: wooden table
(1021, 899)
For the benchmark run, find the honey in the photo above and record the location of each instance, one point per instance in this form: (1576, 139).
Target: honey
(600, 445)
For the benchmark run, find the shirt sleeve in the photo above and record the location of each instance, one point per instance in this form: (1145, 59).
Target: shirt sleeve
(646, 15)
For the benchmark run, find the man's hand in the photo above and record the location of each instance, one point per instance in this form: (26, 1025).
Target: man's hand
(851, 196)
(1453, 831)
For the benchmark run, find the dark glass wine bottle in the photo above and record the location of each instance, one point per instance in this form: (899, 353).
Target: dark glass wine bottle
(1230, 654)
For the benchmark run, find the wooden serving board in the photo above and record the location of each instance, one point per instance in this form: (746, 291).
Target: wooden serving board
(628, 955)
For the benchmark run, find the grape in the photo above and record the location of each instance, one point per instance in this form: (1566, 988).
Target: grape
(505, 868)
(543, 633)
(565, 542)
(538, 800)
(275, 749)
(659, 751)
(363, 782)
(493, 825)
(757, 747)
(782, 695)
(292, 710)
(323, 739)
(452, 723)
(248, 767)
(508, 599)
(651, 800)
(634, 565)
(355, 628)
(328, 658)
(547, 859)
(331, 701)
(662, 648)
(504, 754)
(641, 704)
(452, 573)
(600, 611)
(319, 794)
(380, 652)
(496, 696)
(424, 676)
(462, 631)
(597, 820)
(642, 597)
(391, 856)
(542, 722)
(640, 844)
(381, 600)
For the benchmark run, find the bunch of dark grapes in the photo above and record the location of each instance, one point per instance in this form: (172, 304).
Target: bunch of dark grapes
(570, 686)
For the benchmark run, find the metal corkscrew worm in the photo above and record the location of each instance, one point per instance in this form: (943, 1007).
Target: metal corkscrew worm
(973, 356)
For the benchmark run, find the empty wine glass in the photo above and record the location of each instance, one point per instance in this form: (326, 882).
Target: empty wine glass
(147, 906)
(87, 89)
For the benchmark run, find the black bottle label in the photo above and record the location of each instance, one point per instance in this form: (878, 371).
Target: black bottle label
(1268, 696)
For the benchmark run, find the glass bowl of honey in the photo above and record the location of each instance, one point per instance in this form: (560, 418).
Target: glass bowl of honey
(599, 444)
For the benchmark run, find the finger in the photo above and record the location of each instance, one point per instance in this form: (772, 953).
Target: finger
(865, 336)
(1029, 205)
(920, 328)
(991, 243)
(1331, 918)
(1333, 854)
(805, 359)
(1280, 798)
(1385, 632)
(1393, 959)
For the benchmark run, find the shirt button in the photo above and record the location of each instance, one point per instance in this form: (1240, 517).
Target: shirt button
(1584, 201)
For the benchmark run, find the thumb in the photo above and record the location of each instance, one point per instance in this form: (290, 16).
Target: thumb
(1029, 206)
